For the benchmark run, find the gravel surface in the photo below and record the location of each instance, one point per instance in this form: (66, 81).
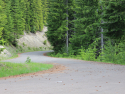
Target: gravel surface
(79, 77)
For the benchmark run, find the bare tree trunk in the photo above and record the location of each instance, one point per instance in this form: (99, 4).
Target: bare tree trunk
(74, 23)
(102, 38)
(67, 26)
(102, 41)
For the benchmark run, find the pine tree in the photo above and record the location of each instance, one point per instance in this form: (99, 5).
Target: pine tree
(36, 16)
(114, 18)
(8, 28)
(2, 20)
(32, 16)
(18, 21)
(70, 17)
(39, 12)
(45, 10)
(28, 16)
(23, 10)
(57, 23)
(86, 24)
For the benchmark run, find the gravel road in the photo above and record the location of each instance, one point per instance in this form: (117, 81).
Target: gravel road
(80, 77)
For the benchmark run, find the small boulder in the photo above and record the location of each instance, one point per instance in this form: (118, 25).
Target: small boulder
(4, 53)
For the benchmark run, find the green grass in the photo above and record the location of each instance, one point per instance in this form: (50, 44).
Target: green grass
(11, 69)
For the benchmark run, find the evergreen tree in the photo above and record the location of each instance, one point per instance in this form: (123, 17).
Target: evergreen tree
(2, 20)
(36, 16)
(86, 24)
(114, 18)
(22, 15)
(23, 10)
(28, 16)
(71, 16)
(45, 10)
(32, 13)
(39, 10)
(8, 28)
(18, 21)
(57, 23)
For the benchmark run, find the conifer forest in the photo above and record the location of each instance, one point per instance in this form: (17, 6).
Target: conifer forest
(91, 30)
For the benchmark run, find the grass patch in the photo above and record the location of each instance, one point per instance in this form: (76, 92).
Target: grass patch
(11, 69)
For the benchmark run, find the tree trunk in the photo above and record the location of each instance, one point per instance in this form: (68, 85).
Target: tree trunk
(102, 39)
(67, 26)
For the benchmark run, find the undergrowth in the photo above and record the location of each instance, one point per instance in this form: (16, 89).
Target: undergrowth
(111, 54)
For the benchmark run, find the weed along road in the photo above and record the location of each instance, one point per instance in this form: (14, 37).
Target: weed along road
(79, 77)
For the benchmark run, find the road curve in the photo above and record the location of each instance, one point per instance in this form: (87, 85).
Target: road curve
(80, 77)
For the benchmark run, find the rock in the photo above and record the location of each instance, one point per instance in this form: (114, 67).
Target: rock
(4, 53)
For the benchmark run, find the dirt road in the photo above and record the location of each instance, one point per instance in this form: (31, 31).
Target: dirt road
(79, 77)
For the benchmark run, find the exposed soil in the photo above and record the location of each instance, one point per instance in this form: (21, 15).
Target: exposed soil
(34, 40)
(56, 69)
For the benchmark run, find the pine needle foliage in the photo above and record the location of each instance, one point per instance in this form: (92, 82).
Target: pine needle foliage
(56, 23)
(2, 20)
(9, 26)
(45, 10)
(36, 15)
(86, 24)
(114, 17)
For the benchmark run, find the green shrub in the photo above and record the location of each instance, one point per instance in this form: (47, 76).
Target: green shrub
(37, 49)
(113, 53)
(16, 51)
(50, 47)
(33, 29)
(28, 60)
(28, 32)
(29, 48)
(59, 55)
(45, 42)
(1, 49)
(20, 48)
(24, 44)
(64, 54)
(40, 47)
(34, 48)
(88, 54)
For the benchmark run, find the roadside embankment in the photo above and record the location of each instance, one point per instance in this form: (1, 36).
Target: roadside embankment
(27, 43)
